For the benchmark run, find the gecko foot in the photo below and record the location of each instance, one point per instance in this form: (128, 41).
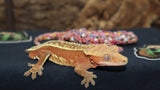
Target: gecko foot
(88, 79)
(35, 69)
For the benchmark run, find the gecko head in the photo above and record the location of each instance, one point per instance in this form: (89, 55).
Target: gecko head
(104, 55)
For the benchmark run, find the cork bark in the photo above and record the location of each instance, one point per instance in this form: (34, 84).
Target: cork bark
(91, 14)
(111, 14)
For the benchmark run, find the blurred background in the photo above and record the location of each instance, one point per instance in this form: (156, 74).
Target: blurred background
(69, 14)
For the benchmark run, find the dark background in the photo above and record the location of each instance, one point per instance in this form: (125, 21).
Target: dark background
(139, 74)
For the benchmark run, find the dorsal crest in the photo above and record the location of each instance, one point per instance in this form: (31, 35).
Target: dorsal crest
(62, 45)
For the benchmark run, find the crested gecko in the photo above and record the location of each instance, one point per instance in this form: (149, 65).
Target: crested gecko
(81, 57)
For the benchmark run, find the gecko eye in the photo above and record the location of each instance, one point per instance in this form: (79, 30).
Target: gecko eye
(107, 57)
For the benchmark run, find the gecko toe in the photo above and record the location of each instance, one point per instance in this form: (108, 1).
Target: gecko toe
(93, 82)
(40, 73)
(94, 76)
(83, 81)
(33, 76)
(86, 84)
(27, 73)
(30, 65)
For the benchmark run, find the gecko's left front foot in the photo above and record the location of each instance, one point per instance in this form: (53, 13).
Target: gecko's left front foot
(88, 79)
(35, 69)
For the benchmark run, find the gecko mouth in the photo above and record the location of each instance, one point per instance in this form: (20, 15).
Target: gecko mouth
(104, 63)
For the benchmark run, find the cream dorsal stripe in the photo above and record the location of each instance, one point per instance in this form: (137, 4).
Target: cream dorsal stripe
(61, 45)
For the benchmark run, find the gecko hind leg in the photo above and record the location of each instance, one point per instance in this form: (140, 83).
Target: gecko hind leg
(35, 69)
(38, 67)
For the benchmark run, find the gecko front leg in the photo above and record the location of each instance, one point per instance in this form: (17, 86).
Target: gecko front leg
(38, 67)
(88, 76)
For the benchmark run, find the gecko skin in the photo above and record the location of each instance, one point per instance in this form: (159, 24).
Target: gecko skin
(81, 57)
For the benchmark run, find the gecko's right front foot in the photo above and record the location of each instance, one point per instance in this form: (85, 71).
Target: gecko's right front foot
(88, 79)
(35, 69)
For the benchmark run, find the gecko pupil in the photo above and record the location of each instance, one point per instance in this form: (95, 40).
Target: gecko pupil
(107, 57)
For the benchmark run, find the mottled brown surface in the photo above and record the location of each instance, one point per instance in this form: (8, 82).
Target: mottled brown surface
(92, 14)
(109, 14)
